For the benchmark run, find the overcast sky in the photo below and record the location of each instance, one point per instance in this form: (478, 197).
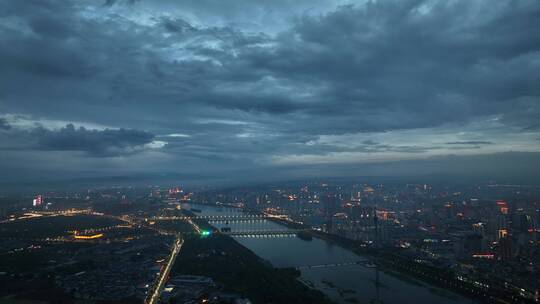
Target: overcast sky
(249, 90)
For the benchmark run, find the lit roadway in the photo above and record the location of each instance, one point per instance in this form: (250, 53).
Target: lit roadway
(194, 225)
(156, 292)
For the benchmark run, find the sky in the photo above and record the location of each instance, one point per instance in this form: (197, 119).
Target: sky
(249, 90)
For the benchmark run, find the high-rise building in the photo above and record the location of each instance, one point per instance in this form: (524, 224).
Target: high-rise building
(505, 248)
(330, 204)
(37, 201)
(473, 244)
(377, 235)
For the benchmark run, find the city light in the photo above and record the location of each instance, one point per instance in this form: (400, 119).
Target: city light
(381, 151)
(205, 233)
(88, 237)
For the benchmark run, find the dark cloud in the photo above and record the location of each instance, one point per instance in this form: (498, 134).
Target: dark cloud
(470, 142)
(97, 143)
(370, 142)
(371, 148)
(4, 124)
(271, 77)
(113, 2)
(177, 25)
(535, 127)
(510, 166)
(396, 66)
(411, 69)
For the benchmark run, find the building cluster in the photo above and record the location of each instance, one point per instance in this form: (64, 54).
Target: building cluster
(116, 271)
(487, 234)
(192, 289)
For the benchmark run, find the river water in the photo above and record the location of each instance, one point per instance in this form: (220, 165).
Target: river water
(343, 284)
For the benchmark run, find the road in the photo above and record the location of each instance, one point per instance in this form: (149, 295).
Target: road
(156, 291)
(194, 225)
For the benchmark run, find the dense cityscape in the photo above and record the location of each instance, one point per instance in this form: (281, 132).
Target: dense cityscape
(269, 152)
(173, 245)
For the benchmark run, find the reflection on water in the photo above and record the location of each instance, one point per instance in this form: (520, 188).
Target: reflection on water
(341, 283)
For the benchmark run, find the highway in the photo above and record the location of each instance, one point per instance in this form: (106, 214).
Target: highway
(156, 291)
(194, 225)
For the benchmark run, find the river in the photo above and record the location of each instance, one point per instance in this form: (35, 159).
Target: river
(341, 283)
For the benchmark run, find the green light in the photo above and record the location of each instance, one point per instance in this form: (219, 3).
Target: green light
(205, 233)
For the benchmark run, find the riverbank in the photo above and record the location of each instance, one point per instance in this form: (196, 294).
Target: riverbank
(392, 262)
(325, 248)
(241, 271)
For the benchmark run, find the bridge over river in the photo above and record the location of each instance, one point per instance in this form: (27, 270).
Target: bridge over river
(366, 263)
(213, 218)
(326, 266)
(263, 233)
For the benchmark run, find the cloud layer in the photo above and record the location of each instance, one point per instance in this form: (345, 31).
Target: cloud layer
(96, 143)
(213, 86)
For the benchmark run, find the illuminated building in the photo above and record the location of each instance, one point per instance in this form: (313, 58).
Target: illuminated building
(330, 204)
(176, 193)
(483, 256)
(339, 222)
(503, 207)
(382, 214)
(38, 201)
(368, 190)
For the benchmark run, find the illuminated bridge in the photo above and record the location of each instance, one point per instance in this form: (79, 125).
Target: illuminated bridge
(239, 217)
(264, 233)
(362, 262)
(239, 220)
